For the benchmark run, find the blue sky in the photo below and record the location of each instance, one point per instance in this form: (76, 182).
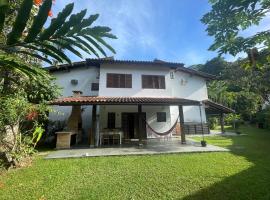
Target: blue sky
(169, 30)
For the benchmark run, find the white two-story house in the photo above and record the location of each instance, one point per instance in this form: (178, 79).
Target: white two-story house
(140, 99)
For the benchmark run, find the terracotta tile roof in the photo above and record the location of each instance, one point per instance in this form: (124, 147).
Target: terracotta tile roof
(216, 108)
(97, 62)
(99, 100)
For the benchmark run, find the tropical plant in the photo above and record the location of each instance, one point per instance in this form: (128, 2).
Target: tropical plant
(213, 122)
(70, 32)
(263, 118)
(214, 66)
(229, 18)
(234, 120)
(24, 86)
(218, 92)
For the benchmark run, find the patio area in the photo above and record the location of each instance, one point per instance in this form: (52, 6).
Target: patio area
(152, 147)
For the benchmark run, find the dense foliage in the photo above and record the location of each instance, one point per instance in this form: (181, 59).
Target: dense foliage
(25, 86)
(244, 85)
(229, 18)
(27, 37)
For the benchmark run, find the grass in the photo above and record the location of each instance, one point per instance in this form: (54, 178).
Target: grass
(226, 127)
(243, 173)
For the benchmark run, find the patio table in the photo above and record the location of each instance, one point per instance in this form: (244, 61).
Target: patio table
(111, 132)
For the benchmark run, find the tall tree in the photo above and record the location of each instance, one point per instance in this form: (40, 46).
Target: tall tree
(214, 66)
(24, 86)
(226, 22)
(228, 18)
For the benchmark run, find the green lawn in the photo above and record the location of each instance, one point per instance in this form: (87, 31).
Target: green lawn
(243, 173)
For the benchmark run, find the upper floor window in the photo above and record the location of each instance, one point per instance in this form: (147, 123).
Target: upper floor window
(153, 82)
(119, 80)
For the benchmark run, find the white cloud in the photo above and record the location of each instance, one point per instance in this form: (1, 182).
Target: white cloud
(131, 21)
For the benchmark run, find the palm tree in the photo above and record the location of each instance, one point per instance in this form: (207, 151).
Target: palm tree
(67, 32)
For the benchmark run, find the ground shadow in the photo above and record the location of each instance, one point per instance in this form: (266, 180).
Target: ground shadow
(252, 183)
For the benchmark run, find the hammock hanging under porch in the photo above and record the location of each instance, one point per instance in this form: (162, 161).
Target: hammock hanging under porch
(166, 133)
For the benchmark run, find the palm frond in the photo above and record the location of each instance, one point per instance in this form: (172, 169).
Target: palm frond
(76, 43)
(45, 51)
(39, 21)
(73, 20)
(20, 22)
(17, 65)
(36, 56)
(100, 40)
(85, 23)
(56, 51)
(87, 45)
(67, 45)
(90, 20)
(107, 35)
(95, 44)
(96, 30)
(57, 22)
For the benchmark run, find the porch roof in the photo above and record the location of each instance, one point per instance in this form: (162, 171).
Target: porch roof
(216, 108)
(101, 100)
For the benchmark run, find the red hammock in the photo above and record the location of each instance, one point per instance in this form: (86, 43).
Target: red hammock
(162, 133)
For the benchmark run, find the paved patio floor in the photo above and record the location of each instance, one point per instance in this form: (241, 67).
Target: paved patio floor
(152, 147)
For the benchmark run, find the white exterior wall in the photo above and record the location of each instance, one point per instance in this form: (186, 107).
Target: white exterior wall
(137, 72)
(151, 116)
(183, 85)
(85, 76)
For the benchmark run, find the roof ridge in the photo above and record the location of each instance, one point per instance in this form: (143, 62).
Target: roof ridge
(96, 62)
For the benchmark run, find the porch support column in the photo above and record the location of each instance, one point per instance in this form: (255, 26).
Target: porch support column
(140, 125)
(222, 122)
(181, 116)
(97, 128)
(93, 125)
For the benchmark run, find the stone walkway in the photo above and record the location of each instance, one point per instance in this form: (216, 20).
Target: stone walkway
(152, 147)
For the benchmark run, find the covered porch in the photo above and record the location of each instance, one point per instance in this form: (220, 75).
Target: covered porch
(123, 121)
(215, 109)
(101, 131)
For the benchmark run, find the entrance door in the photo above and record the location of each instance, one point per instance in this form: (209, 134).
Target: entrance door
(130, 125)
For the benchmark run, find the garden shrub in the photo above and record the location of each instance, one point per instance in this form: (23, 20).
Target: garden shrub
(213, 122)
(234, 120)
(17, 143)
(263, 118)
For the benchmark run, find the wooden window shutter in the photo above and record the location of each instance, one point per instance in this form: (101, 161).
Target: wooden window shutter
(155, 82)
(128, 81)
(109, 80)
(122, 80)
(116, 80)
(162, 82)
(119, 80)
(143, 81)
